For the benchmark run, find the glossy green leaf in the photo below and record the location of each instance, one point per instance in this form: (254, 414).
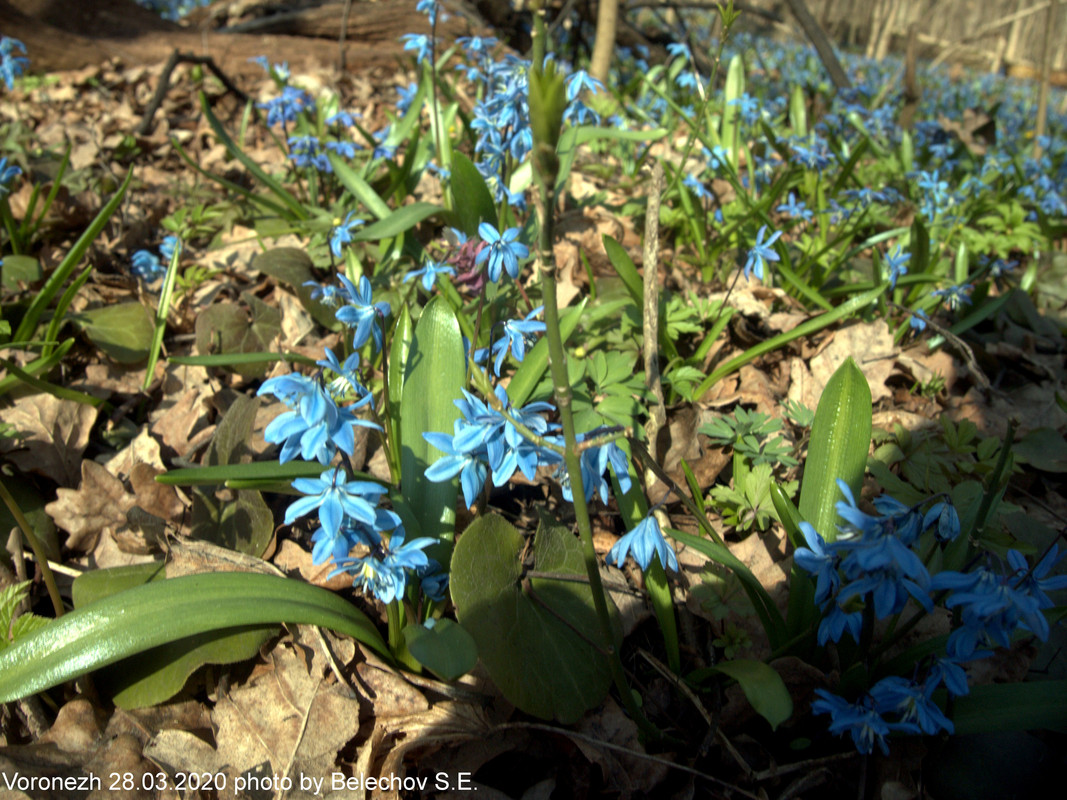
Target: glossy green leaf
(156, 675)
(730, 132)
(165, 611)
(471, 199)
(20, 269)
(763, 687)
(539, 652)
(840, 439)
(123, 331)
(1012, 707)
(434, 372)
(446, 649)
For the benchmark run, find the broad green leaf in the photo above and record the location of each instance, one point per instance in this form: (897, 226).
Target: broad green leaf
(798, 113)
(626, 269)
(16, 269)
(471, 200)
(546, 666)
(446, 649)
(123, 332)
(1043, 448)
(156, 675)
(434, 372)
(840, 439)
(165, 611)
(397, 222)
(763, 687)
(730, 133)
(292, 266)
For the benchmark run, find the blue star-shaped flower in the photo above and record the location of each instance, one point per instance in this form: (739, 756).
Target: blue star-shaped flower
(429, 274)
(361, 312)
(335, 498)
(642, 542)
(503, 252)
(760, 253)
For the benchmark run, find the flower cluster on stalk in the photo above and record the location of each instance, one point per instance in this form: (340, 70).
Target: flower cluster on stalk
(872, 570)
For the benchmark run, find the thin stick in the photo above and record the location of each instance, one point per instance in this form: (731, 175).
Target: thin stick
(175, 59)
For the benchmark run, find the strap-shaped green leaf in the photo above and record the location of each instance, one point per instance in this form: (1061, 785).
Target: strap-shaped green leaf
(840, 438)
(147, 616)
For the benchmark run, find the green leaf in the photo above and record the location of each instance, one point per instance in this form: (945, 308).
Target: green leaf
(51, 288)
(1012, 707)
(434, 374)
(359, 187)
(16, 269)
(446, 649)
(267, 471)
(533, 366)
(156, 675)
(292, 266)
(545, 666)
(763, 687)
(228, 328)
(123, 332)
(840, 439)
(294, 206)
(626, 269)
(471, 198)
(731, 111)
(766, 610)
(165, 611)
(231, 359)
(1043, 448)
(399, 349)
(12, 629)
(397, 222)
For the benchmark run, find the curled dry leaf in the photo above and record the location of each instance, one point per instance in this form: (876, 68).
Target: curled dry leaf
(99, 504)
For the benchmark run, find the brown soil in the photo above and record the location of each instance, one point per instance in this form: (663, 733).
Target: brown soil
(73, 34)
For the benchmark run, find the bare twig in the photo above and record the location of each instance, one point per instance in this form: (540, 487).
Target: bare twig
(175, 59)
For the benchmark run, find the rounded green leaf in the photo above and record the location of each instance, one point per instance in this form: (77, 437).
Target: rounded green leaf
(446, 649)
(123, 332)
(763, 687)
(535, 637)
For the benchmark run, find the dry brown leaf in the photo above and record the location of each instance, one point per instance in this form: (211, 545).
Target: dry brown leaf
(53, 436)
(289, 716)
(622, 774)
(870, 345)
(291, 557)
(181, 418)
(99, 504)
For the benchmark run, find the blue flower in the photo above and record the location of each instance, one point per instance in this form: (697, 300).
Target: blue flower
(384, 571)
(1036, 582)
(287, 106)
(329, 296)
(429, 274)
(342, 233)
(335, 499)
(420, 43)
(794, 209)
(346, 384)
(955, 296)
(503, 252)
(471, 470)
(837, 621)
(517, 334)
(912, 702)
(306, 151)
(167, 248)
(817, 560)
(918, 320)
(147, 266)
(642, 542)
(8, 173)
(760, 253)
(860, 720)
(895, 261)
(11, 65)
(361, 313)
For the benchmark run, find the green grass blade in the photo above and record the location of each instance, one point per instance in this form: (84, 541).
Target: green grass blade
(66, 267)
(240, 359)
(154, 614)
(804, 329)
(254, 471)
(291, 203)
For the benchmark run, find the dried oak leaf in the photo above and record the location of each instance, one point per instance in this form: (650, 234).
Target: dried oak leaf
(98, 504)
(53, 436)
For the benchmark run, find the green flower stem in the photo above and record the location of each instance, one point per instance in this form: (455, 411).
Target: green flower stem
(35, 545)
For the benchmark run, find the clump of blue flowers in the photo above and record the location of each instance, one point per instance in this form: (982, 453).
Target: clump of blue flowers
(149, 267)
(871, 572)
(11, 65)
